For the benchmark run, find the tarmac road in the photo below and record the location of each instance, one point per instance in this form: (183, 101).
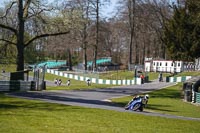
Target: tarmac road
(99, 98)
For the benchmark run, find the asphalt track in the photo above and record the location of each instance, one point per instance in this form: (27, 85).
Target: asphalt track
(99, 98)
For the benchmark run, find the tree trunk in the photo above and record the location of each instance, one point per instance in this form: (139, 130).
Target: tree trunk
(69, 59)
(97, 36)
(20, 39)
(131, 47)
(85, 46)
(131, 6)
(136, 49)
(95, 58)
(144, 50)
(85, 56)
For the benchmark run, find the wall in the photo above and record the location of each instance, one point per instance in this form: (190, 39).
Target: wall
(16, 85)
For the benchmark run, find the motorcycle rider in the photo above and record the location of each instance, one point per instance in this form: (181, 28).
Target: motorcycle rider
(160, 77)
(146, 96)
(144, 101)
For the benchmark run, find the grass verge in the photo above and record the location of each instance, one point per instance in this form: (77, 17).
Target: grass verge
(8, 67)
(75, 84)
(22, 116)
(167, 101)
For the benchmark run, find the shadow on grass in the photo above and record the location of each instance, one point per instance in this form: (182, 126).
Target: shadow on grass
(30, 105)
(156, 107)
(10, 103)
(7, 106)
(58, 99)
(166, 93)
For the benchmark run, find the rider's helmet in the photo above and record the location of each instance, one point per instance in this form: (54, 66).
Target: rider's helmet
(146, 96)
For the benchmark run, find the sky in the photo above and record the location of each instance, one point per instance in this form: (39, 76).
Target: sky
(107, 10)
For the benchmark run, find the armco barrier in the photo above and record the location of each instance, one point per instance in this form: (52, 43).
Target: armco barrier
(178, 79)
(95, 80)
(197, 98)
(14, 85)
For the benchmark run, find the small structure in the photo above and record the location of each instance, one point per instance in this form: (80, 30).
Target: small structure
(164, 66)
(191, 89)
(16, 81)
(38, 78)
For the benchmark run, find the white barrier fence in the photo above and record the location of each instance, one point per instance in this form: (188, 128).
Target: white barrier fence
(95, 80)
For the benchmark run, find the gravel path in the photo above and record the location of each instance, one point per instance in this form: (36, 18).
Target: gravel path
(99, 98)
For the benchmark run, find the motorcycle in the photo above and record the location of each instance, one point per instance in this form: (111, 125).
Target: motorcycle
(137, 103)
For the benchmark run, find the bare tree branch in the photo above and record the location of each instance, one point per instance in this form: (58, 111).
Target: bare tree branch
(45, 35)
(4, 40)
(26, 6)
(38, 12)
(8, 28)
(8, 9)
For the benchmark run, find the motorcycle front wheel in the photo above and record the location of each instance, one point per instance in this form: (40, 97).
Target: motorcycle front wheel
(127, 107)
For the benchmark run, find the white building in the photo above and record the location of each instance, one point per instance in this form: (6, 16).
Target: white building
(163, 66)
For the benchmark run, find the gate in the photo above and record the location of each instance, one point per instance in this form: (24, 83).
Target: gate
(38, 77)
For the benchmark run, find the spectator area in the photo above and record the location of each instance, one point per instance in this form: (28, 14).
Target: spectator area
(100, 61)
(49, 64)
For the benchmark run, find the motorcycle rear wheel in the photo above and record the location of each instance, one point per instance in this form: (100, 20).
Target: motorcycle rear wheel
(136, 106)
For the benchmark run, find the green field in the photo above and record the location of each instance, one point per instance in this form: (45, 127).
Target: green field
(22, 116)
(8, 67)
(167, 101)
(125, 74)
(75, 84)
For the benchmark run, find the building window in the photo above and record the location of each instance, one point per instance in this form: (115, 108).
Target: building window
(160, 63)
(166, 64)
(157, 64)
(178, 64)
(172, 64)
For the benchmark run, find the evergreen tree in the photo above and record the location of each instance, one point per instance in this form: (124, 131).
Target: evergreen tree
(182, 32)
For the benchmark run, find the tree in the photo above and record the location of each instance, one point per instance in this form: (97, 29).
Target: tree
(92, 15)
(97, 35)
(131, 4)
(87, 29)
(160, 13)
(27, 10)
(182, 31)
(84, 7)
